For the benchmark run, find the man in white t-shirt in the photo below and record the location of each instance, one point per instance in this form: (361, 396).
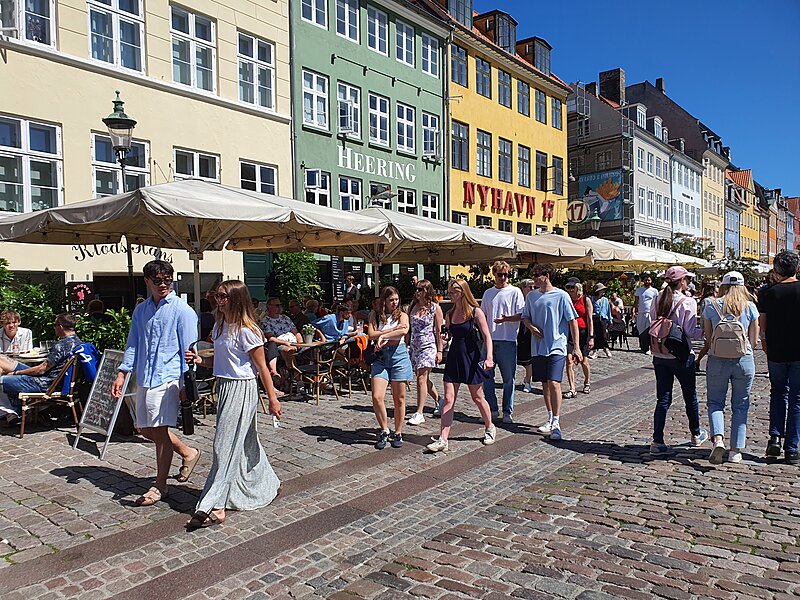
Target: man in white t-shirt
(645, 295)
(13, 339)
(502, 306)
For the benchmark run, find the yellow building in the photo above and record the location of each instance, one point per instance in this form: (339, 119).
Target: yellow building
(714, 200)
(207, 81)
(508, 129)
(750, 222)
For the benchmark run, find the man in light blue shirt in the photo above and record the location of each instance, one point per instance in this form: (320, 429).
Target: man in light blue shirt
(336, 325)
(162, 328)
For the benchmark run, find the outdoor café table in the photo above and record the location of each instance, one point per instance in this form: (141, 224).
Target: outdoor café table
(31, 359)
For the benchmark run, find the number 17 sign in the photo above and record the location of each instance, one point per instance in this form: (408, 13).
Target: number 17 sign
(577, 211)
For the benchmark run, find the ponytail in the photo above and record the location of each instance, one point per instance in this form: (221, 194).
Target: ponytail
(666, 298)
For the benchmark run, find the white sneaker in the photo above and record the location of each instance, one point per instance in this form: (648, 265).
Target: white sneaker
(717, 452)
(439, 445)
(546, 428)
(416, 419)
(593, 354)
(526, 387)
(489, 436)
(648, 353)
(735, 455)
(555, 433)
(607, 352)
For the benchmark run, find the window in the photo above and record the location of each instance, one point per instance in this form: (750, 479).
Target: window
(107, 173)
(541, 171)
(483, 162)
(190, 164)
(555, 105)
(603, 160)
(541, 58)
(665, 166)
(523, 228)
(524, 166)
(523, 98)
(315, 11)
(349, 193)
(30, 165)
(657, 131)
(259, 178)
(347, 19)
(33, 19)
(650, 163)
(679, 214)
(650, 199)
(405, 43)
(377, 31)
(640, 159)
(483, 77)
(116, 31)
(430, 135)
(430, 205)
(460, 218)
(460, 148)
(405, 128)
(658, 167)
(458, 66)
(504, 160)
(349, 98)
(315, 99)
(485, 222)
(659, 200)
(558, 176)
(504, 88)
(461, 11)
(193, 49)
(430, 55)
(583, 127)
(541, 106)
(406, 201)
(378, 119)
(641, 202)
(504, 225)
(317, 187)
(641, 117)
(256, 71)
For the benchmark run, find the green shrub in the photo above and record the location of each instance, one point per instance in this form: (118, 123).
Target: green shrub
(105, 335)
(296, 275)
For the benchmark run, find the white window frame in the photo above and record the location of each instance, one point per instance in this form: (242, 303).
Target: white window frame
(195, 43)
(404, 43)
(406, 128)
(430, 55)
(116, 15)
(319, 118)
(352, 194)
(430, 205)
(659, 209)
(406, 201)
(257, 65)
(26, 155)
(15, 17)
(651, 198)
(650, 159)
(379, 21)
(317, 191)
(196, 157)
(114, 167)
(347, 23)
(658, 167)
(315, 6)
(431, 136)
(642, 193)
(259, 181)
(640, 159)
(379, 120)
(348, 99)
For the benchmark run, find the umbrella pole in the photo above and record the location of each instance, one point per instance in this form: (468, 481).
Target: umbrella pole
(196, 261)
(376, 275)
(131, 282)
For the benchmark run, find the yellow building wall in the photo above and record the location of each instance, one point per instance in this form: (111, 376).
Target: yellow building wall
(487, 114)
(713, 223)
(750, 232)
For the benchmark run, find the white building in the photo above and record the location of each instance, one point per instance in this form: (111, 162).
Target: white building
(687, 208)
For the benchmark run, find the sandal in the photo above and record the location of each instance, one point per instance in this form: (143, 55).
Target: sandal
(587, 388)
(187, 467)
(202, 519)
(150, 497)
(571, 394)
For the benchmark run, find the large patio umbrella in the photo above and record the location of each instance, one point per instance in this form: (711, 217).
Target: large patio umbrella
(552, 248)
(195, 216)
(616, 255)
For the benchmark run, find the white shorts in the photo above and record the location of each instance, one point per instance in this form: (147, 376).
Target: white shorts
(158, 406)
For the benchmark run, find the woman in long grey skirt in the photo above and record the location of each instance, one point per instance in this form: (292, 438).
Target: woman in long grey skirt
(241, 477)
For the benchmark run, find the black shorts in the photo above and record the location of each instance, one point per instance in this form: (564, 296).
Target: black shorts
(583, 336)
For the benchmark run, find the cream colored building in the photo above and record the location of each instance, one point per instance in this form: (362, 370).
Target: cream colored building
(207, 81)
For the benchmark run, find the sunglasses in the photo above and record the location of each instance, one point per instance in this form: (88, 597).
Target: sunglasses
(501, 274)
(221, 296)
(419, 289)
(162, 280)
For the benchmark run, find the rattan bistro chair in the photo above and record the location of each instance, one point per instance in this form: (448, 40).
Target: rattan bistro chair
(35, 400)
(315, 366)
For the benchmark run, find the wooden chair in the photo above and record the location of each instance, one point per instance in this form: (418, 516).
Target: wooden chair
(53, 396)
(315, 366)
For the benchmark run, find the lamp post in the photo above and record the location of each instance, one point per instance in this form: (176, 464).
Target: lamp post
(120, 129)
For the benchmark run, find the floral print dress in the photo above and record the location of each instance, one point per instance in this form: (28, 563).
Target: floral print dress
(423, 338)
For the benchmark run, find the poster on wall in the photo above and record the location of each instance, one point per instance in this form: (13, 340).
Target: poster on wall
(602, 191)
(79, 294)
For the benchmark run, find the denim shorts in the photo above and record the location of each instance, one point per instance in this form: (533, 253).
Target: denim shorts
(393, 364)
(548, 368)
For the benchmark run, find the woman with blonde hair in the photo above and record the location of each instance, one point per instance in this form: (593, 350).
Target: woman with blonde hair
(730, 360)
(463, 365)
(241, 477)
(426, 345)
(387, 326)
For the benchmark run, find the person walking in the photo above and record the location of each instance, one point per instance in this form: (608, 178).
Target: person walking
(551, 318)
(465, 322)
(426, 345)
(730, 360)
(387, 327)
(645, 295)
(710, 293)
(601, 319)
(780, 326)
(583, 307)
(672, 303)
(241, 477)
(162, 328)
(524, 340)
(502, 305)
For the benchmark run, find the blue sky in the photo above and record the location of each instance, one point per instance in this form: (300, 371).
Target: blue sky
(733, 64)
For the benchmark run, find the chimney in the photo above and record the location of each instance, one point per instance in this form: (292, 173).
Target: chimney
(660, 84)
(612, 85)
(592, 88)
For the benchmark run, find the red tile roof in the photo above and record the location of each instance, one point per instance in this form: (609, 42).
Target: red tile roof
(741, 178)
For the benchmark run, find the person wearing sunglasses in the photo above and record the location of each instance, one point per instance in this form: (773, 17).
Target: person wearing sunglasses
(280, 333)
(426, 345)
(162, 328)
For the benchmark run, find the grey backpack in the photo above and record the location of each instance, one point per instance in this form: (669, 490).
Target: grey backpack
(729, 338)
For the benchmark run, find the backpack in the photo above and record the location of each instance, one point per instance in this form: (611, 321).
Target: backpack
(729, 338)
(667, 337)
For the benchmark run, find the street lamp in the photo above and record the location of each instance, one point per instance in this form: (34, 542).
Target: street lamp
(120, 129)
(595, 220)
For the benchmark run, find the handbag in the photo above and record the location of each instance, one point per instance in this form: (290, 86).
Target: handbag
(477, 336)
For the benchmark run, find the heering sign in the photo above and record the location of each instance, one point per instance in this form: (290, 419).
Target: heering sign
(505, 201)
(372, 165)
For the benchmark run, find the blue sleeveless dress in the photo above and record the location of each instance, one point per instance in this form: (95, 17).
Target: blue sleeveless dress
(463, 356)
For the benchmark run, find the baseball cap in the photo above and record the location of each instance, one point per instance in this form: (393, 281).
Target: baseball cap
(572, 281)
(733, 278)
(677, 273)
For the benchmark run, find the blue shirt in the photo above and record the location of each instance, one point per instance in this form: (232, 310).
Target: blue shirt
(602, 308)
(551, 312)
(749, 315)
(331, 328)
(158, 340)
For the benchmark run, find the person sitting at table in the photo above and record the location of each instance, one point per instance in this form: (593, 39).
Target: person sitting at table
(336, 325)
(297, 315)
(39, 377)
(97, 311)
(13, 338)
(312, 310)
(280, 334)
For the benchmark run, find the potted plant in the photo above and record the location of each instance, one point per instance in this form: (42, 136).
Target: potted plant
(308, 333)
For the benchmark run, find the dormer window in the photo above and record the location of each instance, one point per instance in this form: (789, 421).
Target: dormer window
(657, 131)
(506, 33)
(641, 116)
(541, 56)
(461, 11)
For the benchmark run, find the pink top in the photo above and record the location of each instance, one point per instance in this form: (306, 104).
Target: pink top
(685, 316)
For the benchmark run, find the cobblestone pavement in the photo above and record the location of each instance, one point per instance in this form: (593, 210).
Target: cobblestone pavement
(592, 516)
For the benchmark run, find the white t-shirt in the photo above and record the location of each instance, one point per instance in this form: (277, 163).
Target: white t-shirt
(22, 342)
(497, 302)
(232, 353)
(645, 297)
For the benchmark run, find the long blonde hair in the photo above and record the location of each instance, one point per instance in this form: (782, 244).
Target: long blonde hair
(468, 302)
(240, 311)
(734, 299)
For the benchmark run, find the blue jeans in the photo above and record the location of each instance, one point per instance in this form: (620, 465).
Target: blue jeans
(667, 370)
(14, 385)
(784, 402)
(740, 373)
(505, 357)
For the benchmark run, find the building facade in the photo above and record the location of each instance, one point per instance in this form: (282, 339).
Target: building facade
(687, 206)
(742, 194)
(207, 82)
